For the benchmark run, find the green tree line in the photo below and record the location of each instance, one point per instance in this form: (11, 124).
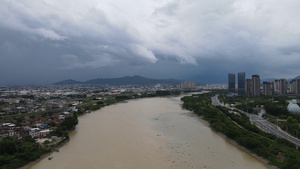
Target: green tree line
(278, 151)
(14, 154)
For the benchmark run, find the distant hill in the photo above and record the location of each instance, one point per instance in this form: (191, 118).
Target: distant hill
(127, 80)
(289, 80)
(68, 82)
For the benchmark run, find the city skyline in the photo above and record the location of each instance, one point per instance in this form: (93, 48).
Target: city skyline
(44, 42)
(255, 86)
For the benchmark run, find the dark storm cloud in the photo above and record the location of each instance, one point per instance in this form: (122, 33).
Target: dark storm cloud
(50, 40)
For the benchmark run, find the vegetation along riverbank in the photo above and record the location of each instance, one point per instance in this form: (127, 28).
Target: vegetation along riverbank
(15, 153)
(279, 152)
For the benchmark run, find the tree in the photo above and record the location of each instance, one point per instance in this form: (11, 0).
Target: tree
(8, 146)
(163, 92)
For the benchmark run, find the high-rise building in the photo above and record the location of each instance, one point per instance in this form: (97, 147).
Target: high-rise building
(276, 87)
(295, 86)
(256, 85)
(282, 87)
(248, 87)
(187, 85)
(241, 83)
(231, 83)
(268, 88)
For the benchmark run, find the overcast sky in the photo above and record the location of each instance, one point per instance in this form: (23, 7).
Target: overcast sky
(45, 41)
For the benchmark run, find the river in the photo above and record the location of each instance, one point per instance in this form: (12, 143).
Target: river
(145, 134)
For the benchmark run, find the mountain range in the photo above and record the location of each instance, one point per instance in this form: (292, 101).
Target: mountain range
(135, 80)
(127, 80)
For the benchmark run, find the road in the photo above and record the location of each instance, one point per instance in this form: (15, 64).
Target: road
(263, 124)
(215, 100)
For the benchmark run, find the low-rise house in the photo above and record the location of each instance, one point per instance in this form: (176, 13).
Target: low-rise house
(66, 113)
(2, 113)
(11, 125)
(34, 132)
(15, 133)
(38, 125)
(44, 133)
(6, 124)
(12, 133)
(60, 117)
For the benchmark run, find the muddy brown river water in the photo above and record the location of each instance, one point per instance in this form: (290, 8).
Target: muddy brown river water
(146, 134)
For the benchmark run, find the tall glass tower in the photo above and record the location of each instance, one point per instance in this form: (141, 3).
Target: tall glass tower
(241, 83)
(231, 83)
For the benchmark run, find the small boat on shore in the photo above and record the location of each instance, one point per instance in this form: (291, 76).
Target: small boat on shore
(50, 158)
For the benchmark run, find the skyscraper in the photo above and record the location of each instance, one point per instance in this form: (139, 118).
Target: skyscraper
(249, 87)
(282, 86)
(268, 88)
(276, 87)
(241, 83)
(231, 83)
(256, 85)
(295, 86)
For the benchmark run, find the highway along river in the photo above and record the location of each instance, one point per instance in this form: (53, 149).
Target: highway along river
(145, 134)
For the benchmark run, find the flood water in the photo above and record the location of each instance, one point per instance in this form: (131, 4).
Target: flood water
(146, 134)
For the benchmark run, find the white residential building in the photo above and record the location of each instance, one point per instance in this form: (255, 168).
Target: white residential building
(44, 133)
(34, 132)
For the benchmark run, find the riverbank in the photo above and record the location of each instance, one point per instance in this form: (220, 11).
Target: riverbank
(261, 159)
(234, 143)
(277, 151)
(32, 163)
(59, 127)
